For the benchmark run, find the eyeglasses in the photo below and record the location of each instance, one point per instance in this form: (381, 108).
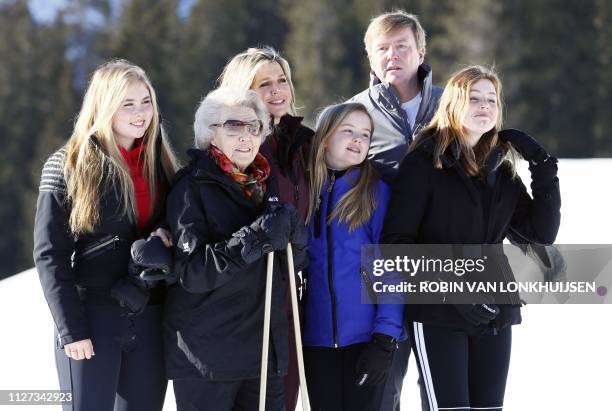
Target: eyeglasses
(236, 127)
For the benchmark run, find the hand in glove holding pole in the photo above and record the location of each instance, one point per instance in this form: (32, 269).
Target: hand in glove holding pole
(271, 231)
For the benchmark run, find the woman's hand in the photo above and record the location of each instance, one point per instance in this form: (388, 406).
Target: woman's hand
(165, 236)
(79, 350)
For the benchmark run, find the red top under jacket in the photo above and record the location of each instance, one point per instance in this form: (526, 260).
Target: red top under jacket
(141, 188)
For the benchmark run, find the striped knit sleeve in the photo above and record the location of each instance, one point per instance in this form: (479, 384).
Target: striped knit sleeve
(52, 178)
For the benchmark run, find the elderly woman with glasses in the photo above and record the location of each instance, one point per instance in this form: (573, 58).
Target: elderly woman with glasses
(224, 216)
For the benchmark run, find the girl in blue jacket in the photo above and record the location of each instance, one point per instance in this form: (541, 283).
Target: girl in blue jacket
(348, 345)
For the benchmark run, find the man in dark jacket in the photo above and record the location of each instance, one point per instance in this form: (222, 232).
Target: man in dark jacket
(401, 100)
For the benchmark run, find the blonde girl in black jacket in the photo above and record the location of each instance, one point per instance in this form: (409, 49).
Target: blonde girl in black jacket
(104, 189)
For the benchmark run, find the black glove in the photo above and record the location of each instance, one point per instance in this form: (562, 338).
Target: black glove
(299, 239)
(299, 233)
(375, 360)
(275, 225)
(527, 147)
(152, 262)
(477, 314)
(269, 232)
(131, 293)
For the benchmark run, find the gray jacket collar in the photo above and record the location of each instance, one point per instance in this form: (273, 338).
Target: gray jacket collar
(386, 97)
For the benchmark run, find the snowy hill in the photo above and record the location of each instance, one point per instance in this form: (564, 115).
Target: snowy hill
(560, 358)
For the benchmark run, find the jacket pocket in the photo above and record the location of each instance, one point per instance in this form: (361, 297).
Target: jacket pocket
(105, 244)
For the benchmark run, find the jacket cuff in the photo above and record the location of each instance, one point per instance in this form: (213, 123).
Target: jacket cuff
(69, 339)
(395, 331)
(548, 167)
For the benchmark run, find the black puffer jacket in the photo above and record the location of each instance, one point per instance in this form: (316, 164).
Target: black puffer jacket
(85, 267)
(432, 206)
(213, 320)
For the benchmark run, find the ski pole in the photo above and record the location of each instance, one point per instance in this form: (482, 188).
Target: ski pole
(297, 329)
(266, 334)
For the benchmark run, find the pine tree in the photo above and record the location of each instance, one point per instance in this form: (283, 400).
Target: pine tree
(148, 35)
(548, 58)
(325, 49)
(603, 79)
(35, 102)
(459, 34)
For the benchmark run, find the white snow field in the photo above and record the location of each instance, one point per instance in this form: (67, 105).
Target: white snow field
(561, 358)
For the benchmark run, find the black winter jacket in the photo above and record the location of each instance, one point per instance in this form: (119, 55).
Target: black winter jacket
(433, 206)
(73, 269)
(213, 321)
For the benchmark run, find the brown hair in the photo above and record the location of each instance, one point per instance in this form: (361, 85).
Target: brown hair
(356, 207)
(393, 21)
(447, 123)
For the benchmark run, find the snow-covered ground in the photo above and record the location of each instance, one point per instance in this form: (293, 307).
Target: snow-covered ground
(561, 353)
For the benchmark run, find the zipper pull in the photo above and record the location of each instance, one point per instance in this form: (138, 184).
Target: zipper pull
(331, 182)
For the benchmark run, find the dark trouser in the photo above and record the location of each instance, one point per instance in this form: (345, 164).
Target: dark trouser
(393, 387)
(197, 394)
(331, 376)
(462, 371)
(127, 372)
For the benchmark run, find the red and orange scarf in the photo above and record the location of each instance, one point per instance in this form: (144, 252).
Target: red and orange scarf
(252, 180)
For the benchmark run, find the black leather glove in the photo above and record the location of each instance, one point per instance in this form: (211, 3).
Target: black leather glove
(478, 314)
(131, 293)
(152, 262)
(527, 147)
(375, 360)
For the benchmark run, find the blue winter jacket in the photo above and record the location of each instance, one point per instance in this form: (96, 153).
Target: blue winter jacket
(335, 315)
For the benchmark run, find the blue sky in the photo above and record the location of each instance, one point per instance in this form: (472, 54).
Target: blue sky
(46, 10)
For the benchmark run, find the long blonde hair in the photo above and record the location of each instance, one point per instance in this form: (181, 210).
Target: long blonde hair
(94, 163)
(356, 207)
(241, 70)
(447, 122)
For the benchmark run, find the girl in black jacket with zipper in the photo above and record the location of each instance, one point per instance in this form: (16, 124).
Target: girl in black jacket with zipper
(98, 194)
(458, 185)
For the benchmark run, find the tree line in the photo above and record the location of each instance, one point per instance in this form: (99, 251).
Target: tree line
(553, 57)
